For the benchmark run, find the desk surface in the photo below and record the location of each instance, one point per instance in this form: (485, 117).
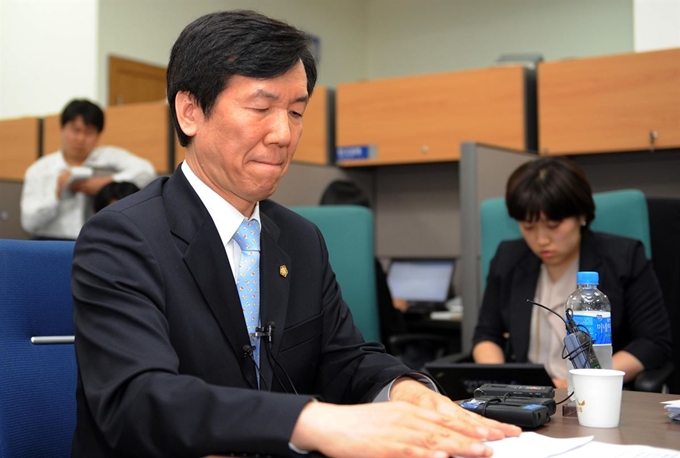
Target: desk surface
(644, 421)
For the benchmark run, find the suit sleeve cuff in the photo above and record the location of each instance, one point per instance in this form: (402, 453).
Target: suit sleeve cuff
(384, 394)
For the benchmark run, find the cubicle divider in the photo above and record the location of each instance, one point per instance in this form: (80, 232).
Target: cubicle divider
(484, 172)
(20, 140)
(610, 104)
(420, 119)
(20, 143)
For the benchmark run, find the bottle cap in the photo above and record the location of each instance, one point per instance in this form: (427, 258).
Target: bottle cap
(587, 278)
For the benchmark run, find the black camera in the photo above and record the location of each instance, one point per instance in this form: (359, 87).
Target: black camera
(526, 412)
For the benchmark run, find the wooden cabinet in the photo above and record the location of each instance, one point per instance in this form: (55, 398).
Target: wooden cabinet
(19, 142)
(628, 102)
(425, 118)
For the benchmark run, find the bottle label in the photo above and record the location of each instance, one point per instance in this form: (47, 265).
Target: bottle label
(599, 325)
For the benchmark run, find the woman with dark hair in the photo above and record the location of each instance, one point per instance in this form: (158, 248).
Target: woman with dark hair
(552, 202)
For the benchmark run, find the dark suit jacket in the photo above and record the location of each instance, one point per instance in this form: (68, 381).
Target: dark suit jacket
(639, 319)
(160, 332)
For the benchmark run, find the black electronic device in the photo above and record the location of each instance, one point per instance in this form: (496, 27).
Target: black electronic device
(527, 413)
(578, 344)
(580, 350)
(519, 401)
(526, 391)
(460, 380)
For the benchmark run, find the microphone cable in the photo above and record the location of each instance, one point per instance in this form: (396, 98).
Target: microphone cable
(248, 351)
(269, 333)
(584, 348)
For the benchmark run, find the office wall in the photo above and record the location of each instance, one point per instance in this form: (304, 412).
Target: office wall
(145, 30)
(64, 44)
(48, 54)
(656, 24)
(655, 174)
(406, 37)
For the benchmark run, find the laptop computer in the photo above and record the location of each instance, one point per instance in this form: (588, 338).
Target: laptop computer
(425, 283)
(459, 380)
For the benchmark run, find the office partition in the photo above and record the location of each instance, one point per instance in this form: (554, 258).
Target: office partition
(484, 171)
(20, 140)
(424, 118)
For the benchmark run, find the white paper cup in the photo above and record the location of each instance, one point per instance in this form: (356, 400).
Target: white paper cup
(598, 396)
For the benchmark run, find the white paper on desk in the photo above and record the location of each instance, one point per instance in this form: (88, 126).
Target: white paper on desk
(77, 173)
(534, 445)
(595, 448)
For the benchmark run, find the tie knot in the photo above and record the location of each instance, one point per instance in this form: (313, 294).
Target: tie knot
(248, 235)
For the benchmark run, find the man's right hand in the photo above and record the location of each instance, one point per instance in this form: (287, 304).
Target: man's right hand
(61, 181)
(383, 429)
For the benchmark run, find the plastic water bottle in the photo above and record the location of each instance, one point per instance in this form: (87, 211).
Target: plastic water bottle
(592, 310)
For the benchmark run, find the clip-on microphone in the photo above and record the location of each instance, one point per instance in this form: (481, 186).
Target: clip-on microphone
(268, 332)
(578, 343)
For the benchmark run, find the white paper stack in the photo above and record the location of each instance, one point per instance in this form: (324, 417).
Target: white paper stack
(673, 409)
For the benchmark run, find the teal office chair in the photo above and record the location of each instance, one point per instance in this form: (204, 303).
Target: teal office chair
(622, 212)
(348, 231)
(37, 360)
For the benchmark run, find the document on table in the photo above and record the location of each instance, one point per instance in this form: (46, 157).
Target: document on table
(534, 445)
(673, 409)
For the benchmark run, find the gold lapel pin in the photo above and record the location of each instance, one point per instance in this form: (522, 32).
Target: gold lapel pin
(283, 271)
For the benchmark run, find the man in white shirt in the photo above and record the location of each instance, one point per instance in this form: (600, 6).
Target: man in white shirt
(56, 197)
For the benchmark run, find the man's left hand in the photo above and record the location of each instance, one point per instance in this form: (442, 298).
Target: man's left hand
(469, 423)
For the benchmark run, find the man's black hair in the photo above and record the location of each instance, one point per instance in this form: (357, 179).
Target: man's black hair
(90, 112)
(217, 46)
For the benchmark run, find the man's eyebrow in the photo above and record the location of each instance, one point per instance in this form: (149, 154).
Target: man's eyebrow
(268, 95)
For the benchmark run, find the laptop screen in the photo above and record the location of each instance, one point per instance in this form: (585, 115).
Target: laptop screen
(420, 280)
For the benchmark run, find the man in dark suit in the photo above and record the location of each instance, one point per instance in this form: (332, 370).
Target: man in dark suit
(169, 365)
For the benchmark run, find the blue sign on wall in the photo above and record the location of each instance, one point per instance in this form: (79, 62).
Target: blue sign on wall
(348, 153)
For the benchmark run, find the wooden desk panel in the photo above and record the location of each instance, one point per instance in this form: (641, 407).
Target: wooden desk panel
(609, 104)
(425, 118)
(19, 142)
(644, 421)
(141, 128)
(51, 134)
(314, 144)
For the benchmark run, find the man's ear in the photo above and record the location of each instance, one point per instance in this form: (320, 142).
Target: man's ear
(188, 113)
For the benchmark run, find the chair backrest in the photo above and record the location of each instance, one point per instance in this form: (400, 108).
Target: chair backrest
(664, 226)
(37, 380)
(349, 234)
(622, 212)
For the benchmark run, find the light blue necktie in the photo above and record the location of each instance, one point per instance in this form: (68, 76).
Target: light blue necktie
(248, 280)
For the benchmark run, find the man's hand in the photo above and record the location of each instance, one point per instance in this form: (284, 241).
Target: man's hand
(90, 186)
(418, 423)
(61, 181)
(465, 422)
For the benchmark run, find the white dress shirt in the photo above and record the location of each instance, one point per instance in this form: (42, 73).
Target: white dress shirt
(44, 215)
